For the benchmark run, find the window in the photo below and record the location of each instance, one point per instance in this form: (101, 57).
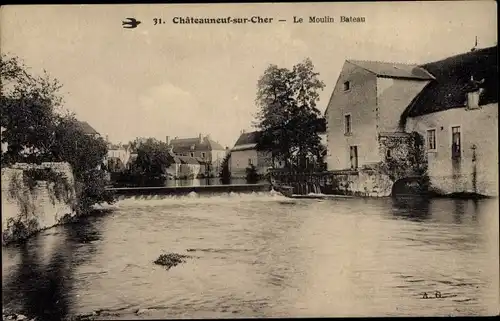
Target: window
(456, 144)
(388, 154)
(347, 86)
(431, 139)
(347, 124)
(249, 161)
(354, 156)
(473, 100)
(191, 154)
(203, 155)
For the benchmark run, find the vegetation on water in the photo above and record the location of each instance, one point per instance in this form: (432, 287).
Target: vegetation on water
(170, 260)
(288, 118)
(36, 130)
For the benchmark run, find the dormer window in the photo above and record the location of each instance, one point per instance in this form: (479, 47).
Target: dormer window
(474, 95)
(347, 86)
(473, 99)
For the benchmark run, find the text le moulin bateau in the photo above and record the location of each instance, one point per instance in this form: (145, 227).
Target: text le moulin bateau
(330, 19)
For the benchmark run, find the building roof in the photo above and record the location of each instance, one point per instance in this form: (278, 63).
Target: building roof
(393, 70)
(194, 144)
(188, 160)
(200, 160)
(86, 128)
(249, 140)
(455, 77)
(174, 158)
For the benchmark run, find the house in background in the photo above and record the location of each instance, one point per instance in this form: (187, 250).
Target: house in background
(190, 167)
(245, 153)
(118, 157)
(174, 170)
(452, 103)
(207, 151)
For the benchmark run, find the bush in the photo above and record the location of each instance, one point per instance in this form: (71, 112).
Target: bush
(225, 173)
(252, 176)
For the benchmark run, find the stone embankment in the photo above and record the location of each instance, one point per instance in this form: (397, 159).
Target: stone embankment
(35, 197)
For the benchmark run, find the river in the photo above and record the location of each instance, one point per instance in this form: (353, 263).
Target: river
(262, 255)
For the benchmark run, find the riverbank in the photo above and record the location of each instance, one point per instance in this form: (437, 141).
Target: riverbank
(462, 195)
(15, 316)
(20, 317)
(23, 236)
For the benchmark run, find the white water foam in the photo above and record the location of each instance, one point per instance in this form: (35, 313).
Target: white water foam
(194, 198)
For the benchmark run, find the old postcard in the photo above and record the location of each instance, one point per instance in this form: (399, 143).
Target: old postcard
(249, 160)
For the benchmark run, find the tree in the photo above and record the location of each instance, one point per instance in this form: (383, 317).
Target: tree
(288, 116)
(85, 153)
(36, 131)
(225, 173)
(151, 163)
(28, 105)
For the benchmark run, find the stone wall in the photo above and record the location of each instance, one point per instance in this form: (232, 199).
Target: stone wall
(476, 171)
(361, 182)
(360, 102)
(393, 146)
(364, 182)
(31, 207)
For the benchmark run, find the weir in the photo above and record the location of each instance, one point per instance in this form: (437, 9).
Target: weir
(185, 190)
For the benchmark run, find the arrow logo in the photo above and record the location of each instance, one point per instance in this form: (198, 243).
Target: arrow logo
(131, 23)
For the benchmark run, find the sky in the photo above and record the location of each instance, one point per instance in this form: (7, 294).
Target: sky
(182, 80)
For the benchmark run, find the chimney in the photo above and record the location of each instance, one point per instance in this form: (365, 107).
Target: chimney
(107, 138)
(167, 139)
(200, 138)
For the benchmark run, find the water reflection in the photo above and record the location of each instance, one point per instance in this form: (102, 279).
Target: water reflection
(41, 285)
(459, 211)
(413, 208)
